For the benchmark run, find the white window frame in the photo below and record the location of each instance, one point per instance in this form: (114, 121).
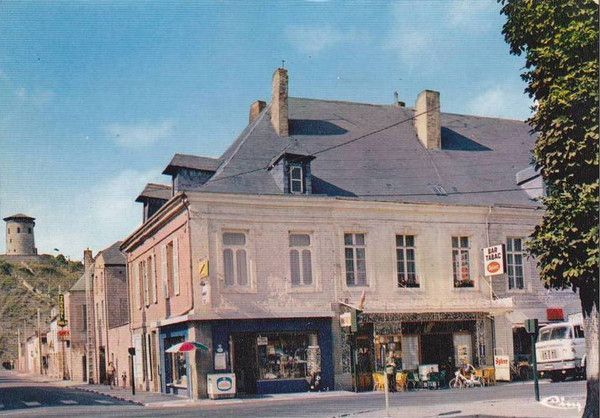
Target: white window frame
(354, 248)
(404, 248)
(300, 249)
(234, 248)
(512, 253)
(292, 180)
(462, 250)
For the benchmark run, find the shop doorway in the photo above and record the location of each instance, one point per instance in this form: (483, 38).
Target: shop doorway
(437, 349)
(245, 363)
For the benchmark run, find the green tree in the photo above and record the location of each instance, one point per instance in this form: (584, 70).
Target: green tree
(559, 39)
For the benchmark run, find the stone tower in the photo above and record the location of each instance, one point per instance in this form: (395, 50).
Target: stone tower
(19, 235)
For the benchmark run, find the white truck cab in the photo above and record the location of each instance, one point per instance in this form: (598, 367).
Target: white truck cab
(560, 349)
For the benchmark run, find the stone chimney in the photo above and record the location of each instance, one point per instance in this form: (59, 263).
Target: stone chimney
(427, 119)
(87, 259)
(397, 101)
(279, 103)
(255, 109)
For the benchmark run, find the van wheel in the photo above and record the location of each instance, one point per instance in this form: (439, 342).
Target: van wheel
(557, 377)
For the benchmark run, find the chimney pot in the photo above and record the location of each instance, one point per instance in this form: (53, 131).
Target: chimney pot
(279, 102)
(255, 109)
(428, 119)
(87, 258)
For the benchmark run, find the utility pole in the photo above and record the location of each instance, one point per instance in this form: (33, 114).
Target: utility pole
(19, 352)
(39, 335)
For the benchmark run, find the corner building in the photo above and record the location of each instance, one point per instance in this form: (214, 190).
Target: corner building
(319, 204)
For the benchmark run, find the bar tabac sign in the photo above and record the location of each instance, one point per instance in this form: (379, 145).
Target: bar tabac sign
(494, 260)
(62, 321)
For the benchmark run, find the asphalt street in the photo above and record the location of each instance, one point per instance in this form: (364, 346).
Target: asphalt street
(21, 397)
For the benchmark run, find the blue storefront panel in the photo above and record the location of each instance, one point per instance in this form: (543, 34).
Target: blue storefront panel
(223, 331)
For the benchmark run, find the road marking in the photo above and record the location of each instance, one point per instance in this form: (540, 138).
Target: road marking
(102, 401)
(68, 402)
(32, 403)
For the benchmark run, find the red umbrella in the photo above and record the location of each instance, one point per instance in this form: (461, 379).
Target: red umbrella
(186, 346)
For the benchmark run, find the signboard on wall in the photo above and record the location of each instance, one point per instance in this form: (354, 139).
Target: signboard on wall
(203, 269)
(62, 320)
(494, 260)
(502, 367)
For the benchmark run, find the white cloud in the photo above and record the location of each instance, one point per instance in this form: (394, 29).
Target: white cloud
(140, 135)
(469, 14)
(96, 217)
(501, 101)
(311, 40)
(37, 97)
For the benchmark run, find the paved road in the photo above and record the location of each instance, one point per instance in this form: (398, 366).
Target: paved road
(15, 392)
(22, 397)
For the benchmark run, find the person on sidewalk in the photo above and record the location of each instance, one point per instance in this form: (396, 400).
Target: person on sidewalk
(110, 373)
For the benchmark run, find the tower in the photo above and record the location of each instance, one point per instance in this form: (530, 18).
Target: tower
(19, 235)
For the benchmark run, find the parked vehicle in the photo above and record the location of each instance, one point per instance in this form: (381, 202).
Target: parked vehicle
(465, 378)
(560, 349)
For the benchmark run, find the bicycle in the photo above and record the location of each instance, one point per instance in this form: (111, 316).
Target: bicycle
(467, 380)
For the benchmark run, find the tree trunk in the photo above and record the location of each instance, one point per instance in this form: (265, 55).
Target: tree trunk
(591, 324)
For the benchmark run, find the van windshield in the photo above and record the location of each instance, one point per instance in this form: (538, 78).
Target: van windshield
(557, 333)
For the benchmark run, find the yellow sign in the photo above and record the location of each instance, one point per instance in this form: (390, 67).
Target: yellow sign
(203, 269)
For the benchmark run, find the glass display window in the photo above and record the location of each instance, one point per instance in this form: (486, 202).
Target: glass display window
(386, 347)
(283, 356)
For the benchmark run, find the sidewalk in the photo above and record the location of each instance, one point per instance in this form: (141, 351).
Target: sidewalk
(161, 400)
(547, 408)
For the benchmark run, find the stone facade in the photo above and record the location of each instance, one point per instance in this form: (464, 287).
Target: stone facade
(20, 239)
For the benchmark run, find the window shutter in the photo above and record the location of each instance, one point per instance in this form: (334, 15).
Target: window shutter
(176, 266)
(154, 280)
(163, 271)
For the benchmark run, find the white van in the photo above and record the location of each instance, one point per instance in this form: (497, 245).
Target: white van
(560, 349)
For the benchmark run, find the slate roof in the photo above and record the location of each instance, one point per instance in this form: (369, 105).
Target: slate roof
(155, 191)
(79, 284)
(19, 216)
(192, 161)
(358, 157)
(113, 255)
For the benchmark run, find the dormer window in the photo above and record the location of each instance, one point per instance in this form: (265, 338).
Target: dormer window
(291, 172)
(296, 179)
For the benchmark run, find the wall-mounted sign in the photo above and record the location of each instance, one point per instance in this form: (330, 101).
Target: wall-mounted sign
(349, 320)
(203, 269)
(494, 260)
(262, 340)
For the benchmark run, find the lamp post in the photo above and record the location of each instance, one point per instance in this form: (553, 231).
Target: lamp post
(531, 326)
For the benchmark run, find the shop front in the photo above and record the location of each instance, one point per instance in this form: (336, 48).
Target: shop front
(275, 355)
(176, 366)
(443, 341)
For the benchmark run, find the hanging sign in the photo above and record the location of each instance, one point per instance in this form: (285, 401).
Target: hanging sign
(63, 335)
(62, 321)
(494, 260)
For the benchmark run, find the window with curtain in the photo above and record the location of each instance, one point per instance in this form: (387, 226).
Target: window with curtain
(460, 262)
(300, 260)
(514, 262)
(355, 255)
(405, 259)
(235, 269)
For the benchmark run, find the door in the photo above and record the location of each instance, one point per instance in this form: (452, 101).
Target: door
(437, 349)
(463, 348)
(245, 363)
(84, 367)
(102, 366)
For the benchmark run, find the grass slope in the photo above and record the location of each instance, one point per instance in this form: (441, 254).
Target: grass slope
(27, 286)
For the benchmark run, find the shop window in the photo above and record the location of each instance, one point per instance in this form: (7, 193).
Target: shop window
(283, 356)
(235, 269)
(460, 262)
(405, 261)
(514, 262)
(177, 375)
(300, 260)
(356, 268)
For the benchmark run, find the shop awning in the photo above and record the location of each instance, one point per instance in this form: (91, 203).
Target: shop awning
(186, 346)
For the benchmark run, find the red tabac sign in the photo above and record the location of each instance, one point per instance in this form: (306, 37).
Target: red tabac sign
(63, 334)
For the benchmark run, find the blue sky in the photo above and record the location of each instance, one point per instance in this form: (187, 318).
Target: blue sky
(95, 98)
